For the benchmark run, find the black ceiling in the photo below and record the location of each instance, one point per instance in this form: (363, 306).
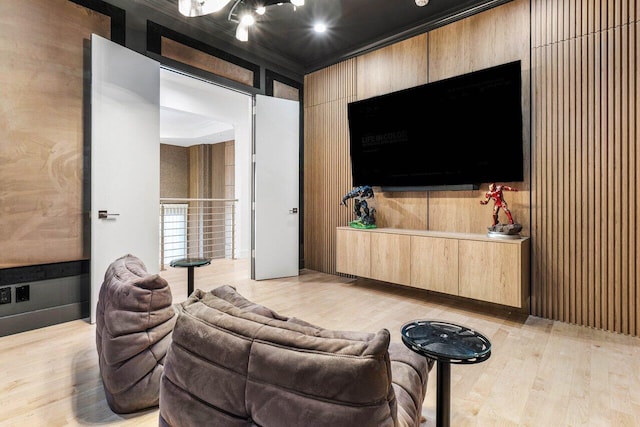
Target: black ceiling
(284, 33)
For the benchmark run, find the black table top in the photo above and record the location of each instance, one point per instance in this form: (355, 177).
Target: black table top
(190, 262)
(445, 341)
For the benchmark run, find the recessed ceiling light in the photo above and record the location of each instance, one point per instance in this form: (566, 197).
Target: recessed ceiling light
(261, 10)
(320, 27)
(247, 20)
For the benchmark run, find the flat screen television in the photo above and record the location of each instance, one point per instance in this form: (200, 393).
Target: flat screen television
(462, 130)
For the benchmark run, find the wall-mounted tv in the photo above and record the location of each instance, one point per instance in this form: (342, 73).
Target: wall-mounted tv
(462, 130)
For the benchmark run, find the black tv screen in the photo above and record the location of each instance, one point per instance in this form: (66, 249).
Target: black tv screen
(462, 130)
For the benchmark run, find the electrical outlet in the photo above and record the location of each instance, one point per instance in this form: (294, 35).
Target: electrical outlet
(5, 295)
(22, 293)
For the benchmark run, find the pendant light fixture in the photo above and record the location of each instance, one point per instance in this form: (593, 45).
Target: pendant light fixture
(200, 7)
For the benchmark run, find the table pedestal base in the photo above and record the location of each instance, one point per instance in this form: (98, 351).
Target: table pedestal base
(443, 396)
(190, 280)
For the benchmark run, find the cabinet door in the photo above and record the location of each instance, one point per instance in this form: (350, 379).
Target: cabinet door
(353, 252)
(434, 264)
(491, 272)
(390, 258)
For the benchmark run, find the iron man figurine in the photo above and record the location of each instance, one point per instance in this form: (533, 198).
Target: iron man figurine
(495, 193)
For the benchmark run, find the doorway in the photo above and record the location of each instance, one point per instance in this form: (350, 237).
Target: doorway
(189, 100)
(127, 90)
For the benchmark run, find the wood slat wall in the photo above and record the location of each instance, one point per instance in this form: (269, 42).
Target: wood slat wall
(583, 201)
(418, 60)
(585, 163)
(327, 167)
(41, 129)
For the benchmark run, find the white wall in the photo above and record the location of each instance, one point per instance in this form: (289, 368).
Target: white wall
(188, 94)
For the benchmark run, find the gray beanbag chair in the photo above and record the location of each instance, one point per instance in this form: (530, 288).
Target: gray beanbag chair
(232, 362)
(135, 319)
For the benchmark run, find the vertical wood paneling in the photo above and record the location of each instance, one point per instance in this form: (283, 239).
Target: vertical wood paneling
(585, 161)
(327, 165)
(406, 61)
(41, 130)
(399, 66)
(481, 41)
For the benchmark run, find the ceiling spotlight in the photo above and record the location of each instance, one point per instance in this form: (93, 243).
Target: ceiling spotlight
(320, 28)
(422, 2)
(242, 32)
(297, 2)
(247, 20)
(260, 10)
(200, 7)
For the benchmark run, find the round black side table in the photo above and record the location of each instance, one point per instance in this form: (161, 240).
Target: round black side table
(190, 263)
(446, 343)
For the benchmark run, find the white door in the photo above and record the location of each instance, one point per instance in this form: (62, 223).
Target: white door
(125, 159)
(277, 139)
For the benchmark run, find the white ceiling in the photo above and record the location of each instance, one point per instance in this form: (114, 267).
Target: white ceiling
(185, 129)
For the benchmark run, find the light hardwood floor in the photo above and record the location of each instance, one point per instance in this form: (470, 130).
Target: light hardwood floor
(541, 373)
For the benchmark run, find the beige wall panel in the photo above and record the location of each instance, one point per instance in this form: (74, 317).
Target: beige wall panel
(230, 153)
(174, 171)
(207, 171)
(229, 175)
(399, 66)
(199, 59)
(282, 90)
(391, 258)
(434, 264)
(219, 172)
(494, 37)
(229, 163)
(229, 170)
(389, 69)
(198, 171)
(461, 211)
(489, 38)
(401, 209)
(41, 130)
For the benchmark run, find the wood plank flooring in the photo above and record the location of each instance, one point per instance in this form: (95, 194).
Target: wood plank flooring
(541, 372)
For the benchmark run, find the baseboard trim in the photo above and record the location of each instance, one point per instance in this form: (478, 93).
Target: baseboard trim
(28, 321)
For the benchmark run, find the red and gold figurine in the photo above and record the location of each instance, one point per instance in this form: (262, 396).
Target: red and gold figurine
(495, 194)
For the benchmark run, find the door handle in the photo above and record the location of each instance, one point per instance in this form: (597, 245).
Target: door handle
(293, 211)
(106, 215)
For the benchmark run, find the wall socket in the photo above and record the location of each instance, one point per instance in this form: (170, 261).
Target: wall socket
(5, 295)
(22, 293)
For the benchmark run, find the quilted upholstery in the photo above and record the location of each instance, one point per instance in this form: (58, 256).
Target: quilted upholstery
(134, 321)
(235, 363)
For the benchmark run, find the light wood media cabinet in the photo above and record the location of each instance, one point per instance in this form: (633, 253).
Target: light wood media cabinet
(466, 265)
